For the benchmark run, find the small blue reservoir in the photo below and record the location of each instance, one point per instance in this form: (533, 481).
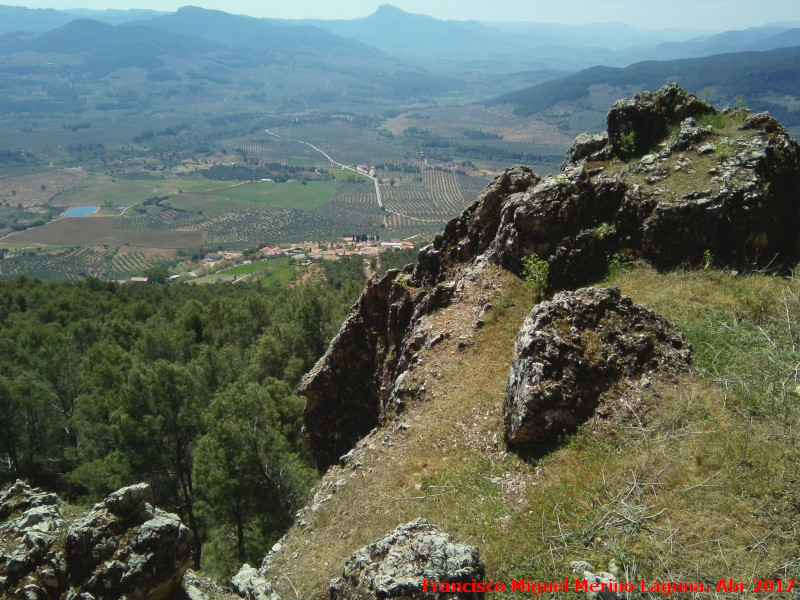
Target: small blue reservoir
(81, 211)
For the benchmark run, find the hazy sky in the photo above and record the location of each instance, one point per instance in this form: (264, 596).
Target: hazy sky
(683, 14)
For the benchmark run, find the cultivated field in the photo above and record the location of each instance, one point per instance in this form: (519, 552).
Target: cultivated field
(100, 231)
(105, 191)
(81, 262)
(305, 196)
(37, 189)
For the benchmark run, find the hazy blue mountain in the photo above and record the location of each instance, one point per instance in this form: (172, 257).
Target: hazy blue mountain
(88, 65)
(104, 48)
(790, 37)
(612, 36)
(761, 78)
(113, 16)
(404, 34)
(755, 38)
(261, 34)
(17, 18)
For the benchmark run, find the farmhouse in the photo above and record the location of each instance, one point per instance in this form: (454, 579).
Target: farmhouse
(272, 252)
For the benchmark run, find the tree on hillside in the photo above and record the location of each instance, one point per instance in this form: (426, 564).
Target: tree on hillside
(251, 466)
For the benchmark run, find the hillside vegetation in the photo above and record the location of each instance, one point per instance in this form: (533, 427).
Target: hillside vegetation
(693, 482)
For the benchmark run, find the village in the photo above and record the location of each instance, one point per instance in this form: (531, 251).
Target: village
(218, 264)
(367, 247)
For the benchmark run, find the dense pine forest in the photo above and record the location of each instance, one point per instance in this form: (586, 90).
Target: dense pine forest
(190, 388)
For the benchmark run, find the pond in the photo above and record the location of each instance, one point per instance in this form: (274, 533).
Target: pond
(81, 211)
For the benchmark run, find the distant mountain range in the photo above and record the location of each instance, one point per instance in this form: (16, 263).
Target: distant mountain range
(766, 81)
(389, 57)
(426, 41)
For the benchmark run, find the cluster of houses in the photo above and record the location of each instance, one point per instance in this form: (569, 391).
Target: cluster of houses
(309, 252)
(347, 247)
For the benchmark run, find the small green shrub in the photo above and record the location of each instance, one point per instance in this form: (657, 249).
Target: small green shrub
(716, 120)
(709, 259)
(604, 230)
(724, 148)
(627, 143)
(537, 273)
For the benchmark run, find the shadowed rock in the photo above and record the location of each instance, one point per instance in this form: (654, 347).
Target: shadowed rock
(574, 348)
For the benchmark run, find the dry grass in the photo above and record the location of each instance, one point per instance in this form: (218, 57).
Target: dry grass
(682, 481)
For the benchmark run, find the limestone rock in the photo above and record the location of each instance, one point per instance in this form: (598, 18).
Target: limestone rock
(396, 565)
(250, 583)
(585, 572)
(122, 548)
(575, 347)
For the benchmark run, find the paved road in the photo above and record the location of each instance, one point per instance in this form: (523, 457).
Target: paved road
(343, 166)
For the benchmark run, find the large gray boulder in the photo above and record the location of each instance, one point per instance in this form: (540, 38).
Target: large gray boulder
(397, 565)
(122, 548)
(574, 348)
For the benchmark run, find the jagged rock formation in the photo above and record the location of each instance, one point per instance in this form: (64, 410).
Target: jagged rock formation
(576, 347)
(656, 186)
(397, 565)
(122, 548)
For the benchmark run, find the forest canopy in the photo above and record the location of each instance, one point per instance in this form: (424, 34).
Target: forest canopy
(187, 387)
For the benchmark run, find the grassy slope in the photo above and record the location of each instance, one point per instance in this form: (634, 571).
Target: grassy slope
(689, 481)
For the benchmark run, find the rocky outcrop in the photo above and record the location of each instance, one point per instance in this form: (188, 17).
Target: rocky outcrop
(397, 565)
(659, 185)
(574, 348)
(350, 387)
(603, 580)
(122, 548)
(648, 115)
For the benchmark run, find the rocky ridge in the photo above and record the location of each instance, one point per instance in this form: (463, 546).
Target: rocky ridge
(658, 186)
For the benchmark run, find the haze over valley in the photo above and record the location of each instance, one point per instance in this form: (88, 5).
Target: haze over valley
(156, 118)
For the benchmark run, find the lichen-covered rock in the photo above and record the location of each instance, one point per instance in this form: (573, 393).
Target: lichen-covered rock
(397, 565)
(544, 219)
(250, 583)
(122, 548)
(574, 348)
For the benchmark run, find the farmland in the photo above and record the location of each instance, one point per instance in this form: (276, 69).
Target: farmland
(305, 196)
(270, 273)
(36, 189)
(100, 231)
(76, 263)
(159, 198)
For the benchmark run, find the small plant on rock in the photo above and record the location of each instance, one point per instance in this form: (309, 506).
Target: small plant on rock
(604, 230)
(708, 260)
(627, 143)
(537, 273)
